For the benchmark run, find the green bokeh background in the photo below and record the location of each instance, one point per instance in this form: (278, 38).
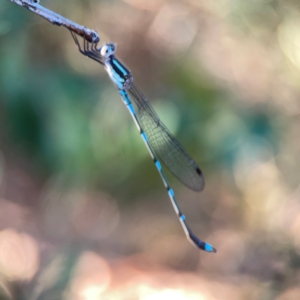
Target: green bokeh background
(76, 177)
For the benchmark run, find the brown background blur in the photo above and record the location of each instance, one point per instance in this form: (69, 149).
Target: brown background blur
(83, 212)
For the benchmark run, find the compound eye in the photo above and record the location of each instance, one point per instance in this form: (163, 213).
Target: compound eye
(112, 47)
(105, 51)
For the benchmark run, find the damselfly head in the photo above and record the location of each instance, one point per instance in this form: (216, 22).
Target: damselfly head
(108, 49)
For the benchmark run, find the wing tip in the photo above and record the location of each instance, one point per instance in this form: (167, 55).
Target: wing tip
(199, 171)
(201, 186)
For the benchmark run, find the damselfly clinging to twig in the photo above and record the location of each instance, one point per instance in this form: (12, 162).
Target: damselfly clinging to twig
(157, 138)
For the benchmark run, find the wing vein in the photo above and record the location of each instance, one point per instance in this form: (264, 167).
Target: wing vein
(165, 145)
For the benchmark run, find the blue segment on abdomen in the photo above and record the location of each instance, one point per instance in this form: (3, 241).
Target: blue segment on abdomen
(144, 137)
(171, 192)
(208, 248)
(125, 97)
(158, 165)
(131, 108)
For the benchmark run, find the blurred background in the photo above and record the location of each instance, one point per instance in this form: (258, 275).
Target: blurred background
(83, 212)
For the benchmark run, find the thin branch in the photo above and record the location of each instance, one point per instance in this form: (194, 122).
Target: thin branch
(56, 19)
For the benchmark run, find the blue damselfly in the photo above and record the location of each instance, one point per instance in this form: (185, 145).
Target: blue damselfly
(157, 138)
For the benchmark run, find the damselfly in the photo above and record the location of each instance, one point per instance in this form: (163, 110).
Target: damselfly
(157, 138)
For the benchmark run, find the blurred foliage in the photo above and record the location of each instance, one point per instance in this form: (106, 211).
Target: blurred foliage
(83, 213)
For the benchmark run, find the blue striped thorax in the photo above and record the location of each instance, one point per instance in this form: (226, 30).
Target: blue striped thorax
(118, 73)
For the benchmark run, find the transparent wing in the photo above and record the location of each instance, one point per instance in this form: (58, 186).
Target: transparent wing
(164, 144)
